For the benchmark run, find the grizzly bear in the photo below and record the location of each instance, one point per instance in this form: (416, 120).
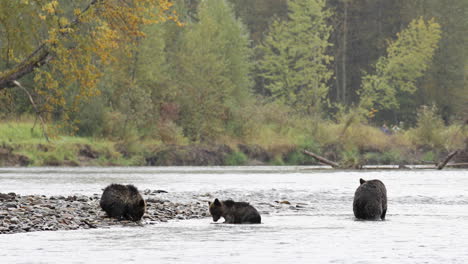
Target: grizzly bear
(123, 202)
(234, 212)
(370, 200)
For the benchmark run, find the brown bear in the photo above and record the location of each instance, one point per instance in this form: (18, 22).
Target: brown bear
(370, 200)
(123, 202)
(234, 212)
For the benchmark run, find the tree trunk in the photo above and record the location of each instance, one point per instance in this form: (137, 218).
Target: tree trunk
(446, 160)
(343, 53)
(322, 159)
(38, 58)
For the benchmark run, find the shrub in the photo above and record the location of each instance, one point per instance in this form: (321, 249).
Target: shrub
(430, 126)
(429, 156)
(297, 157)
(90, 120)
(236, 158)
(351, 158)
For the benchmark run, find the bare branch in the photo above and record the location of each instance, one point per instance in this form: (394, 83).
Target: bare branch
(35, 108)
(37, 58)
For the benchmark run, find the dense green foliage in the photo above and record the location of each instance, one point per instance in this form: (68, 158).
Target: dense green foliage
(294, 64)
(396, 74)
(284, 74)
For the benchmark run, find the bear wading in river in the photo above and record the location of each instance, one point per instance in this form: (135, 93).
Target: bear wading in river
(234, 212)
(370, 200)
(123, 202)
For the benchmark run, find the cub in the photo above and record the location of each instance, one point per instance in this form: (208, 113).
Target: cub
(370, 200)
(234, 212)
(123, 202)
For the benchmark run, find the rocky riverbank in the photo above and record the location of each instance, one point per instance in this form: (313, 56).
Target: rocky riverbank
(28, 213)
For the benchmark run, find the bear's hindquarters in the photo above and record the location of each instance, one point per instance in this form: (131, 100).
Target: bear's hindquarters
(115, 208)
(251, 216)
(256, 219)
(368, 210)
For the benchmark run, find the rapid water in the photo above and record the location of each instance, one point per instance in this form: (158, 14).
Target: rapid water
(427, 218)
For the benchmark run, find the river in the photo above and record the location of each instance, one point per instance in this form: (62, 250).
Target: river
(427, 218)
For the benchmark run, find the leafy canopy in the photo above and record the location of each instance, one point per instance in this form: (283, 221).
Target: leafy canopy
(408, 57)
(74, 39)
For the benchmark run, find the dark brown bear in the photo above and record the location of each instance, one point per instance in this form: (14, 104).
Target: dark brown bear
(123, 202)
(234, 212)
(370, 200)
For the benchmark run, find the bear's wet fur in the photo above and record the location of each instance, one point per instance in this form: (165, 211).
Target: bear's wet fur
(370, 200)
(123, 202)
(234, 212)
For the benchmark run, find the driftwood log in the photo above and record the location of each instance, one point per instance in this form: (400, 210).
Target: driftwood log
(442, 164)
(322, 159)
(439, 166)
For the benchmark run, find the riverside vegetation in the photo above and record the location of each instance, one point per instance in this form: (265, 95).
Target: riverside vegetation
(277, 142)
(231, 82)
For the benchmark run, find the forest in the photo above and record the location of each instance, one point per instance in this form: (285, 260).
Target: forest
(159, 82)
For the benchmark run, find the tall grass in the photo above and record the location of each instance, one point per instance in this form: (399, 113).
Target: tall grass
(20, 132)
(28, 140)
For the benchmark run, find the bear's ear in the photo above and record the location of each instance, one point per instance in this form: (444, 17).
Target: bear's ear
(361, 181)
(217, 202)
(209, 203)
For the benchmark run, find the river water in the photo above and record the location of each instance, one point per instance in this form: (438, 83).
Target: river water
(427, 218)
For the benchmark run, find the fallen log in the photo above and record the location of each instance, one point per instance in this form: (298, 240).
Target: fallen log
(457, 165)
(446, 160)
(322, 159)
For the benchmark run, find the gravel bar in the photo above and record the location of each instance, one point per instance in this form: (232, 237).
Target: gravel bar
(29, 213)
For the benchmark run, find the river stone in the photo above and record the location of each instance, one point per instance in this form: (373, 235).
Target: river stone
(82, 199)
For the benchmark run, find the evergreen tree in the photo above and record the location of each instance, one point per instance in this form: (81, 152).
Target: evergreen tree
(215, 71)
(294, 64)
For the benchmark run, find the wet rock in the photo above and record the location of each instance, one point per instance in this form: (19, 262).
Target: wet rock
(82, 199)
(4, 196)
(152, 200)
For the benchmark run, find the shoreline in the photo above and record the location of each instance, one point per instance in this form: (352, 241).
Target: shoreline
(83, 155)
(30, 213)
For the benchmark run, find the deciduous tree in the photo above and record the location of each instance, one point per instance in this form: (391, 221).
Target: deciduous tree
(408, 57)
(73, 38)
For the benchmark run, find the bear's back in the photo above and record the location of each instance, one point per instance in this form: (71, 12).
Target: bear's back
(370, 200)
